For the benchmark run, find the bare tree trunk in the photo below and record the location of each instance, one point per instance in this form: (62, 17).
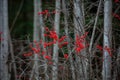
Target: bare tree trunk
(107, 39)
(42, 25)
(4, 47)
(55, 47)
(13, 58)
(79, 29)
(118, 65)
(36, 37)
(116, 70)
(68, 46)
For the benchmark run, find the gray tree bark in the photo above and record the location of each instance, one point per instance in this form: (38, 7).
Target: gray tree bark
(55, 47)
(42, 29)
(116, 70)
(107, 39)
(36, 37)
(4, 47)
(79, 29)
(118, 64)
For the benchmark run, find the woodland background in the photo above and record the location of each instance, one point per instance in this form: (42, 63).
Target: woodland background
(59, 40)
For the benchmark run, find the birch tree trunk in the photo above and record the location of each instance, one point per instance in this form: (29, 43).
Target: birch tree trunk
(107, 39)
(36, 37)
(79, 29)
(4, 47)
(42, 29)
(55, 47)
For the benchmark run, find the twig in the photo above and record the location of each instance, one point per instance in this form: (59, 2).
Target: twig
(94, 28)
(18, 12)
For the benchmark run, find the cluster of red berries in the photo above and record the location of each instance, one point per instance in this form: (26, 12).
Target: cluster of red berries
(116, 16)
(116, 1)
(0, 36)
(52, 35)
(46, 12)
(105, 48)
(79, 42)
